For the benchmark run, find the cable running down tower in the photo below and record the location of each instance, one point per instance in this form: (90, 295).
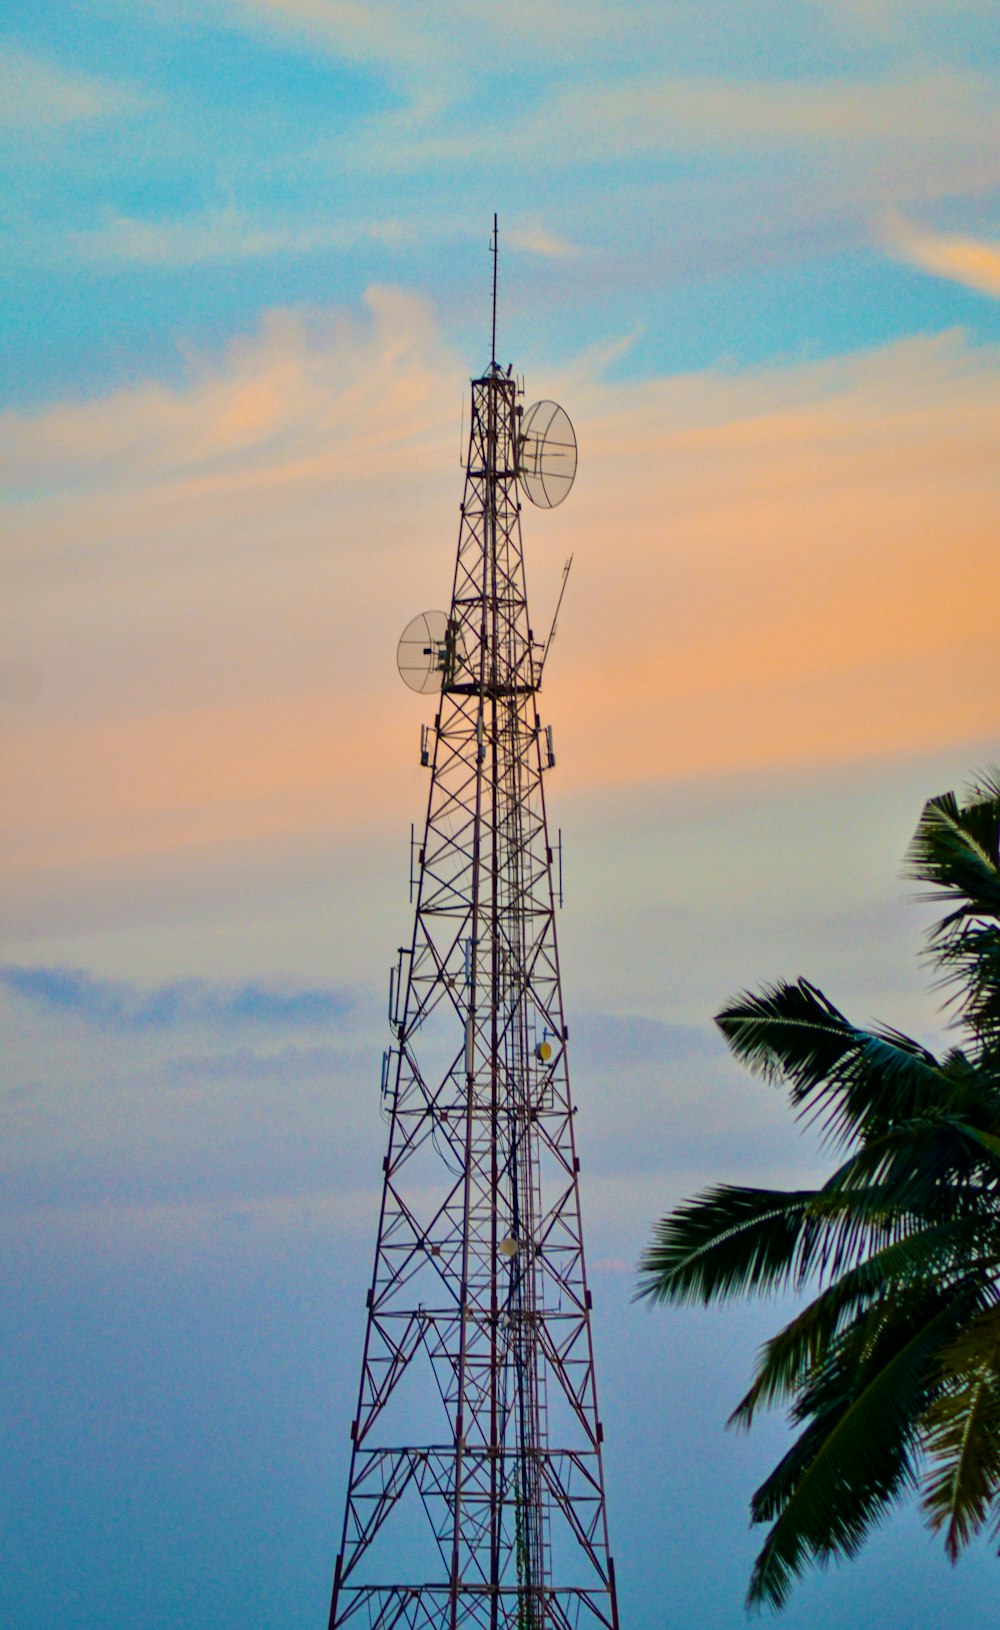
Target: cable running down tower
(476, 1493)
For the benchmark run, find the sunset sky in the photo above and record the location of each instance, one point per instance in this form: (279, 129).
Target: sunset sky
(755, 252)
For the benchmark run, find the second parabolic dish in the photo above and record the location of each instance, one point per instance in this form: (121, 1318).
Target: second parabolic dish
(546, 464)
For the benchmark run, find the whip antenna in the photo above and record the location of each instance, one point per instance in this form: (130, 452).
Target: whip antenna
(546, 648)
(493, 336)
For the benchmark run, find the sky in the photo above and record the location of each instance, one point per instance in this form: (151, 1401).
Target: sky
(755, 253)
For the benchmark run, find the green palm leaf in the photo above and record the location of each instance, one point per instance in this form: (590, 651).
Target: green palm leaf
(733, 1241)
(928, 1258)
(956, 849)
(856, 1459)
(962, 1434)
(854, 1081)
(728, 1242)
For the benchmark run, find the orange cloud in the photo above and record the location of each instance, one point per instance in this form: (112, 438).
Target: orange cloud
(809, 580)
(299, 397)
(172, 781)
(795, 566)
(961, 260)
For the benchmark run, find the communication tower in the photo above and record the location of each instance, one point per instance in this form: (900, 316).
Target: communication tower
(476, 1491)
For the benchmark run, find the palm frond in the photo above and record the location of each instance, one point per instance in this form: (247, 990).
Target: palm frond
(853, 1081)
(735, 1241)
(920, 1170)
(962, 1434)
(968, 954)
(856, 1456)
(929, 1258)
(988, 1142)
(787, 1032)
(956, 849)
(729, 1241)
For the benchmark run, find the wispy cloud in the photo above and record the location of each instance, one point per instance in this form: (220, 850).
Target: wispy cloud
(609, 1041)
(251, 1065)
(712, 114)
(233, 234)
(964, 260)
(38, 95)
(227, 234)
(116, 1004)
(462, 39)
(889, 124)
(394, 33)
(306, 385)
(536, 239)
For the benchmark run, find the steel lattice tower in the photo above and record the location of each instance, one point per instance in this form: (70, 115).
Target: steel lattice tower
(476, 1493)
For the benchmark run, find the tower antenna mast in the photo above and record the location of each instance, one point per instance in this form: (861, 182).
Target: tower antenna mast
(475, 1497)
(493, 340)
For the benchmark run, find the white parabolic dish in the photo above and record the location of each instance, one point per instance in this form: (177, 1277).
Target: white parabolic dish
(546, 464)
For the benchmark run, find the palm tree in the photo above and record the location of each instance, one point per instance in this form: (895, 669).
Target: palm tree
(891, 1373)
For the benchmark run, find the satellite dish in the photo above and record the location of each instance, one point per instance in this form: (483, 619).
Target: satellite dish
(546, 462)
(429, 651)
